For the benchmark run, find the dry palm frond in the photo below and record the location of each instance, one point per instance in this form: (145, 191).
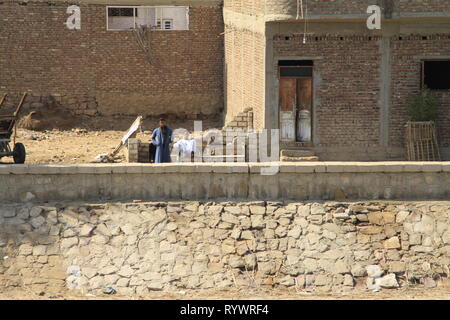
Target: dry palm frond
(143, 39)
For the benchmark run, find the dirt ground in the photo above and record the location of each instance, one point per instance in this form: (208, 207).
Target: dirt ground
(406, 293)
(90, 138)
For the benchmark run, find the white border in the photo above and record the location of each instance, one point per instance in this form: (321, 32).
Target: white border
(136, 7)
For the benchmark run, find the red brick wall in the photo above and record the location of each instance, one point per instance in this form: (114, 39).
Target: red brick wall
(39, 54)
(406, 81)
(347, 89)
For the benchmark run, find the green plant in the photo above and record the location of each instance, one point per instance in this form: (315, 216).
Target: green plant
(423, 107)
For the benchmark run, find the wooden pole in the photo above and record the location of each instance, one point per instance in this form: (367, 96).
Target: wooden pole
(3, 99)
(16, 113)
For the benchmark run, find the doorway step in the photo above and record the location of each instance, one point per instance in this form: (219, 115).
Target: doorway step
(298, 155)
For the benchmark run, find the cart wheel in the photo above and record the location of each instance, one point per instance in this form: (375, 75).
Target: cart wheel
(19, 153)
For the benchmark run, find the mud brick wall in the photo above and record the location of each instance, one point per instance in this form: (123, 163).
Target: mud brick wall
(245, 6)
(406, 81)
(244, 69)
(319, 7)
(423, 5)
(335, 7)
(141, 247)
(347, 85)
(107, 69)
(356, 7)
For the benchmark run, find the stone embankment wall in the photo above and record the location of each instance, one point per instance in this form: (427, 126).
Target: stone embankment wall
(137, 247)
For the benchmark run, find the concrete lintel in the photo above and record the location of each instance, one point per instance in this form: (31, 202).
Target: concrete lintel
(191, 3)
(91, 169)
(432, 167)
(278, 58)
(137, 168)
(426, 16)
(413, 167)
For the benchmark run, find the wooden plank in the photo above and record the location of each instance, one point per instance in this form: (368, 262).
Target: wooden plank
(3, 99)
(304, 106)
(16, 113)
(131, 131)
(288, 94)
(287, 105)
(304, 89)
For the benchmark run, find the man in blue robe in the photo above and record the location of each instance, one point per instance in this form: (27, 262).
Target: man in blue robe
(161, 139)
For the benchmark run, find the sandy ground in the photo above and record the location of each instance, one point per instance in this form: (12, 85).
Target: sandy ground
(406, 293)
(68, 147)
(88, 140)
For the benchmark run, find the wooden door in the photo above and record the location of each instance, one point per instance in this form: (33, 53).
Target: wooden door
(304, 109)
(287, 105)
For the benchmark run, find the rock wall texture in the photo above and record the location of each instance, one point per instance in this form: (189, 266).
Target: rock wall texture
(137, 247)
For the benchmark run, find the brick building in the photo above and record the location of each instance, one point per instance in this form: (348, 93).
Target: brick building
(311, 68)
(101, 68)
(314, 70)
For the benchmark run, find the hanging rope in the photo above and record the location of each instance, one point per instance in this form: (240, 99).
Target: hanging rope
(299, 9)
(306, 20)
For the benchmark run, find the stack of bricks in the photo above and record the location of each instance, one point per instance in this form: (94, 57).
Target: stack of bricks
(237, 132)
(133, 150)
(144, 152)
(243, 121)
(138, 151)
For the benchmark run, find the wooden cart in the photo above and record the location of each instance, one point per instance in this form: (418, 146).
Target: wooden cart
(8, 129)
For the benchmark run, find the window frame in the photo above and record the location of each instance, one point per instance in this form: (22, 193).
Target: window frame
(135, 11)
(164, 21)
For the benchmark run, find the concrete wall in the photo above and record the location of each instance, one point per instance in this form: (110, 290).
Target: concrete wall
(141, 247)
(106, 71)
(192, 181)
